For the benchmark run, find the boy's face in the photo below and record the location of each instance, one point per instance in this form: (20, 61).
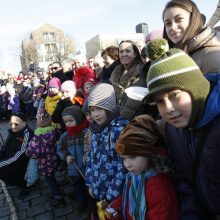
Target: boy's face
(99, 115)
(175, 107)
(69, 120)
(135, 164)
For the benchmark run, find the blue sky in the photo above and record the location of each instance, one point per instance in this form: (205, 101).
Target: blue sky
(81, 19)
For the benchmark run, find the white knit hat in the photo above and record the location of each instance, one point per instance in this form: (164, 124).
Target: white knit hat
(103, 96)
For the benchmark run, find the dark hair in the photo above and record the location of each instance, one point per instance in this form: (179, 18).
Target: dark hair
(111, 51)
(138, 58)
(144, 52)
(57, 63)
(195, 24)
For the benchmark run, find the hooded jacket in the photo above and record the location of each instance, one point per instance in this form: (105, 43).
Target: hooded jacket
(199, 191)
(205, 50)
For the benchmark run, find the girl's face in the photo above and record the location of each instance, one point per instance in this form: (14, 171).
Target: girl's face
(99, 115)
(89, 117)
(53, 90)
(176, 21)
(126, 53)
(69, 94)
(175, 107)
(69, 120)
(135, 164)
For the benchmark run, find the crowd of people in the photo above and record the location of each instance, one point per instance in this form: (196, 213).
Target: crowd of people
(154, 158)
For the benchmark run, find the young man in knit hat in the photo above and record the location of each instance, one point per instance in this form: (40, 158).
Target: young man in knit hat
(42, 147)
(148, 191)
(70, 149)
(189, 103)
(105, 172)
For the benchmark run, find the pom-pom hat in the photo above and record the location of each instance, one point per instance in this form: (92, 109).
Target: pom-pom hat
(174, 69)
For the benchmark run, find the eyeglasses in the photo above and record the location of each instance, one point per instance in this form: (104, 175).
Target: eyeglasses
(14, 123)
(54, 68)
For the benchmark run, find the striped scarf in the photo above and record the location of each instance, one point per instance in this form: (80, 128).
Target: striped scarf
(135, 194)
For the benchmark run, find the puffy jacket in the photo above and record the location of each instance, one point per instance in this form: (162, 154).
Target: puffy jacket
(199, 193)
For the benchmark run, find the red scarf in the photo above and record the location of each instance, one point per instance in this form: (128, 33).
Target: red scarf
(75, 130)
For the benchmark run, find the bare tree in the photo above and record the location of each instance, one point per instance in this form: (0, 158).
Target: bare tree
(28, 53)
(63, 48)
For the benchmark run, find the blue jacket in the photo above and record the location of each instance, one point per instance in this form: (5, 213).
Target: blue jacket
(105, 172)
(72, 145)
(199, 196)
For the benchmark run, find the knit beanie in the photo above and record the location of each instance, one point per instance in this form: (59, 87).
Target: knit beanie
(55, 83)
(103, 96)
(40, 89)
(140, 137)
(43, 118)
(20, 115)
(69, 86)
(75, 111)
(174, 69)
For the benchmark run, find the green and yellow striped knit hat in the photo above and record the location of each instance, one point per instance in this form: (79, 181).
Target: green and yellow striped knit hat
(174, 69)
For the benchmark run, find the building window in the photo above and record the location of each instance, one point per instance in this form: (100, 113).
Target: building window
(47, 48)
(49, 37)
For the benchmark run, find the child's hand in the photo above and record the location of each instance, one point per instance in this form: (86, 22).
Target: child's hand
(69, 159)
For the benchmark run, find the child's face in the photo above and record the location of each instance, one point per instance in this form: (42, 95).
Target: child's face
(69, 94)
(135, 164)
(175, 107)
(53, 90)
(98, 114)
(89, 117)
(69, 120)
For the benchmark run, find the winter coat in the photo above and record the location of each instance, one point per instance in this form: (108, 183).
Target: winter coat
(42, 147)
(4, 101)
(105, 172)
(61, 105)
(72, 145)
(26, 94)
(161, 200)
(61, 75)
(84, 75)
(205, 50)
(106, 72)
(13, 160)
(129, 108)
(198, 189)
(51, 103)
(14, 103)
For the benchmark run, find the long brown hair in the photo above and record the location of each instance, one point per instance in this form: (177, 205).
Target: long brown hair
(195, 24)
